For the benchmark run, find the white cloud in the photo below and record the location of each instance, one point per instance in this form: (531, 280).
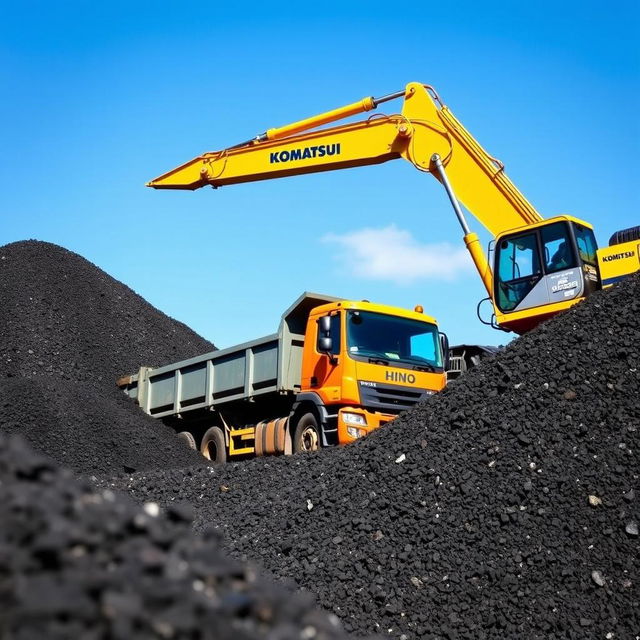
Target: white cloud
(392, 254)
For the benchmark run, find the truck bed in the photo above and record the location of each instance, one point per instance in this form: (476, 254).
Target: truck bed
(267, 365)
(211, 379)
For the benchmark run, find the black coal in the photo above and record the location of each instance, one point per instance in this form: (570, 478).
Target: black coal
(84, 565)
(68, 331)
(505, 507)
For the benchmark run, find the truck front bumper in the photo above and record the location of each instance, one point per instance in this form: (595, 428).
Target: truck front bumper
(355, 422)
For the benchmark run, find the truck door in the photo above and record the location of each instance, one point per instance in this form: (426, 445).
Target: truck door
(327, 372)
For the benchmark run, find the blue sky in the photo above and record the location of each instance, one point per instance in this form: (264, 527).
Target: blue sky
(100, 98)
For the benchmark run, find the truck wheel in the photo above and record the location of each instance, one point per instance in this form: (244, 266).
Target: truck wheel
(213, 446)
(307, 435)
(188, 439)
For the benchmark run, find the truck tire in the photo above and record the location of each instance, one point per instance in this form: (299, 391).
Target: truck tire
(188, 439)
(307, 434)
(213, 446)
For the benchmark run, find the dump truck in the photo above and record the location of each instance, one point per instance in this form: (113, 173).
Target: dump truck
(335, 370)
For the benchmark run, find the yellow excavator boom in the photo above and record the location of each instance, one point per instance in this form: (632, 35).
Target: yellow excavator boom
(425, 128)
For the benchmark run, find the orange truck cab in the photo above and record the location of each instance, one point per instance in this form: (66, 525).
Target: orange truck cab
(364, 363)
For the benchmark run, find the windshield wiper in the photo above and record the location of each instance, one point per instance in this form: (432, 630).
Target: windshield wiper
(427, 366)
(424, 367)
(378, 361)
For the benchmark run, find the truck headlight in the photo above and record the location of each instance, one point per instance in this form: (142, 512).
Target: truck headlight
(354, 418)
(354, 432)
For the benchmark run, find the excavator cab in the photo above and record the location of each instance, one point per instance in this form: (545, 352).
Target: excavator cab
(545, 266)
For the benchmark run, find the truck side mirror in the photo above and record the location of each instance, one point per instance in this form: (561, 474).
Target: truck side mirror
(324, 324)
(325, 342)
(444, 345)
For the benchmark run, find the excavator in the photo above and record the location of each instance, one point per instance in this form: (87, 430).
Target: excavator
(539, 267)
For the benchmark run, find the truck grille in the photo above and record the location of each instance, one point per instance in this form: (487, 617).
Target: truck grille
(389, 398)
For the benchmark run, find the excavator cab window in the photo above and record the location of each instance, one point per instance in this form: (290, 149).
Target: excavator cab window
(557, 247)
(518, 269)
(587, 245)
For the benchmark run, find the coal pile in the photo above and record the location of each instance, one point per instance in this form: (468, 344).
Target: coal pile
(84, 565)
(69, 331)
(504, 507)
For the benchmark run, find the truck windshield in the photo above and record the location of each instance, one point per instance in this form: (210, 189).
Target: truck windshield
(377, 336)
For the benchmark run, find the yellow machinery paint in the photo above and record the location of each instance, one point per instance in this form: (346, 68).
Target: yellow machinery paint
(422, 129)
(618, 260)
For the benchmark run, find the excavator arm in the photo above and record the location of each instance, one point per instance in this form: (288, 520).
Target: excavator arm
(422, 133)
